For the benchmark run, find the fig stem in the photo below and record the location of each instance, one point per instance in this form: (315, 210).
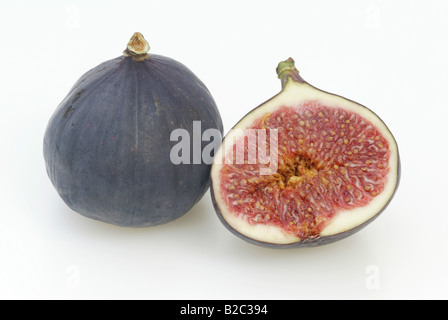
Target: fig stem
(287, 70)
(137, 48)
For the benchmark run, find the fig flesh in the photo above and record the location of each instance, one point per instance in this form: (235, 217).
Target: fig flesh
(305, 168)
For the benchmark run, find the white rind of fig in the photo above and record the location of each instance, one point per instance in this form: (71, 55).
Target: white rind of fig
(296, 92)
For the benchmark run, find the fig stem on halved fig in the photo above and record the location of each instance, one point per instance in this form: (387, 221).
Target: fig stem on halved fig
(287, 69)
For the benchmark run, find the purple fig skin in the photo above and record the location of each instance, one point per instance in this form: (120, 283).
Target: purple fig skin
(107, 145)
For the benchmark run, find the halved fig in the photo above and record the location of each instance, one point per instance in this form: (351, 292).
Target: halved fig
(305, 168)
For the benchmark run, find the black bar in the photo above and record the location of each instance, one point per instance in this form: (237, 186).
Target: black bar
(225, 309)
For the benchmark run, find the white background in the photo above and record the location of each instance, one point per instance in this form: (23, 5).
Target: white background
(388, 55)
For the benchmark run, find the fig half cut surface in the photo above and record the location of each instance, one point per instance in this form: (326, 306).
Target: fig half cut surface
(305, 168)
